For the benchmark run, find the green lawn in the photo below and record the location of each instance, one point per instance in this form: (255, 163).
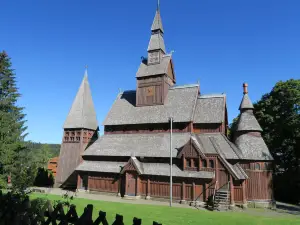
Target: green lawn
(175, 216)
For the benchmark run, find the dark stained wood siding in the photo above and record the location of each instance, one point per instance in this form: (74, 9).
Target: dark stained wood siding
(259, 184)
(150, 91)
(147, 128)
(103, 183)
(238, 192)
(208, 128)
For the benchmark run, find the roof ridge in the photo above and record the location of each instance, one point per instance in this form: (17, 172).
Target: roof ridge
(184, 86)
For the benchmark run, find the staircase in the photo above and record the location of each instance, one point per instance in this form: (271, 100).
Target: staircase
(221, 200)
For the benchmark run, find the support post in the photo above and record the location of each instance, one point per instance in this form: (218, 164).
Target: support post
(232, 203)
(183, 193)
(171, 163)
(244, 194)
(148, 189)
(79, 180)
(119, 186)
(138, 181)
(194, 192)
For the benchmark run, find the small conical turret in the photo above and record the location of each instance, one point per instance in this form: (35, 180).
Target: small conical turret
(247, 120)
(247, 136)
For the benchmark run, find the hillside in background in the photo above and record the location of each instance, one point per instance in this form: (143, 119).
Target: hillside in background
(52, 148)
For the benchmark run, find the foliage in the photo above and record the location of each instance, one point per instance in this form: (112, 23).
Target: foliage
(278, 113)
(12, 129)
(65, 200)
(53, 149)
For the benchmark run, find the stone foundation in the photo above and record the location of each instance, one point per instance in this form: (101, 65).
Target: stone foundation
(261, 204)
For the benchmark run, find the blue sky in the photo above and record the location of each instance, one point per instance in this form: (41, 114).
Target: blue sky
(221, 43)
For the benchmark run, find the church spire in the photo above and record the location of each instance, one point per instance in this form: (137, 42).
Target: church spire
(157, 23)
(82, 113)
(156, 47)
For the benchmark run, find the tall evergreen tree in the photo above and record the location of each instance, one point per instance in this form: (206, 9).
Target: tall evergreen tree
(12, 129)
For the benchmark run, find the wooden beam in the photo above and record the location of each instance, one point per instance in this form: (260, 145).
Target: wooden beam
(231, 191)
(194, 192)
(148, 189)
(244, 192)
(183, 191)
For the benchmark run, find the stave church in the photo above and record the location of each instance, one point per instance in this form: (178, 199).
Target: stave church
(132, 158)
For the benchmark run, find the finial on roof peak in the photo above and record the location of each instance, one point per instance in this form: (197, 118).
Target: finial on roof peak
(245, 87)
(86, 71)
(158, 5)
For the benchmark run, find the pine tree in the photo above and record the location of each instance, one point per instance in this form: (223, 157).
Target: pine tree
(12, 129)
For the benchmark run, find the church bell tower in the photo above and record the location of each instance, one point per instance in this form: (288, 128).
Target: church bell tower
(80, 130)
(156, 73)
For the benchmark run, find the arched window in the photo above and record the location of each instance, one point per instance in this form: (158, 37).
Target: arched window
(211, 163)
(204, 163)
(257, 166)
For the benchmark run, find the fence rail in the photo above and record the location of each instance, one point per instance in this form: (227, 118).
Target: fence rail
(15, 211)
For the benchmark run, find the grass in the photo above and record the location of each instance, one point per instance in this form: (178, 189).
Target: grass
(174, 216)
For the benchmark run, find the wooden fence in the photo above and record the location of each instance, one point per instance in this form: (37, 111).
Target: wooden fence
(15, 211)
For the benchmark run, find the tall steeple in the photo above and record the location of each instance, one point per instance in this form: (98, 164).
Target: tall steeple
(156, 47)
(82, 113)
(156, 73)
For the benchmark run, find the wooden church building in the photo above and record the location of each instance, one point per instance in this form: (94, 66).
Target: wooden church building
(132, 158)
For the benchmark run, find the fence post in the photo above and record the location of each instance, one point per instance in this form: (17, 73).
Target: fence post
(119, 220)
(137, 221)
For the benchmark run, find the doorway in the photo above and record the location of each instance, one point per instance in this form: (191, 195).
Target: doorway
(131, 184)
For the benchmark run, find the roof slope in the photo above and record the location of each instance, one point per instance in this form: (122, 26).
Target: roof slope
(179, 104)
(248, 122)
(147, 145)
(158, 169)
(158, 145)
(210, 109)
(229, 150)
(101, 166)
(156, 42)
(155, 69)
(82, 113)
(253, 148)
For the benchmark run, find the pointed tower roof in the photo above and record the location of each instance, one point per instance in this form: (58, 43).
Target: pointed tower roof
(247, 120)
(246, 102)
(157, 22)
(247, 135)
(82, 113)
(157, 41)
